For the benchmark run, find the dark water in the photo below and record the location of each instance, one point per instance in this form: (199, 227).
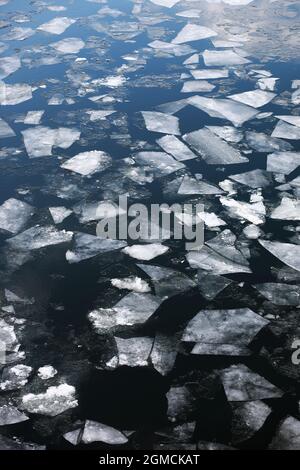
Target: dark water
(56, 330)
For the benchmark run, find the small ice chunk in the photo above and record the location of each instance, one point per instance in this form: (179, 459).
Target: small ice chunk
(46, 372)
(288, 253)
(53, 402)
(100, 115)
(228, 133)
(254, 179)
(56, 25)
(164, 352)
(11, 415)
(40, 140)
(9, 65)
(213, 149)
(160, 122)
(289, 209)
(145, 252)
(98, 432)
(210, 285)
(134, 352)
(283, 130)
(196, 86)
(68, 45)
(267, 83)
(248, 418)
(177, 50)
(8, 336)
(242, 384)
(59, 214)
(236, 326)
(19, 33)
(133, 309)
(294, 120)
(135, 284)
(233, 111)
(39, 237)
(254, 213)
(176, 148)
(283, 162)
(160, 163)
(207, 74)
(265, 143)
(252, 232)
(87, 246)
(14, 94)
(14, 215)
(255, 98)
(191, 186)
(15, 377)
(209, 260)
(165, 3)
(193, 32)
(206, 349)
(88, 163)
(33, 117)
(280, 294)
(287, 436)
(221, 58)
(5, 130)
(167, 282)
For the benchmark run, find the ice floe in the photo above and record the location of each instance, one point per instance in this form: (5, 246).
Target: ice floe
(87, 246)
(57, 25)
(193, 32)
(172, 145)
(17, 93)
(14, 215)
(53, 402)
(256, 98)
(9, 65)
(98, 432)
(40, 140)
(288, 253)
(223, 58)
(145, 252)
(160, 122)
(68, 45)
(88, 163)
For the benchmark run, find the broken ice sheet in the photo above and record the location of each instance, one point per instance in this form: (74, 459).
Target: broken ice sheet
(289, 209)
(175, 49)
(176, 148)
(98, 432)
(100, 115)
(193, 32)
(283, 162)
(280, 294)
(255, 98)
(164, 352)
(167, 281)
(133, 309)
(68, 45)
(87, 246)
(212, 349)
(33, 117)
(18, 33)
(210, 285)
(56, 25)
(88, 163)
(5, 130)
(248, 418)
(59, 214)
(288, 253)
(40, 140)
(14, 215)
(14, 94)
(294, 120)
(223, 58)
(242, 384)
(287, 435)
(254, 213)
(191, 186)
(265, 143)
(11, 415)
(145, 252)
(213, 149)
(15, 377)
(134, 352)
(160, 122)
(160, 163)
(46, 372)
(53, 402)
(197, 86)
(39, 237)
(135, 284)
(237, 327)
(228, 133)
(254, 179)
(8, 336)
(207, 74)
(284, 130)
(9, 65)
(235, 112)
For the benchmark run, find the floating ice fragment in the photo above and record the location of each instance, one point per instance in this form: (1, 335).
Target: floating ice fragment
(39, 237)
(9, 65)
(14, 215)
(145, 252)
(242, 384)
(207, 349)
(167, 282)
(5, 130)
(165, 3)
(283, 162)
(255, 98)
(87, 246)
(136, 284)
(223, 58)
(280, 294)
(224, 245)
(56, 25)
(11, 415)
(235, 112)
(176, 148)
(294, 120)
(254, 213)
(252, 232)
(100, 115)
(236, 326)
(160, 122)
(134, 352)
(213, 149)
(284, 130)
(287, 436)
(33, 117)
(160, 163)
(15, 377)
(207, 74)
(228, 133)
(59, 214)
(88, 163)
(265, 143)
(211, 261)
(98, 432)
(175, 49)
(191, 186)
(288, 253)
(289, 209)
(267, 83)
(68, 45)
(164, 352)
(8, 336)
(248, 418)
(40, 140)
(193, 32)
(254, 179)
(53, 402)
(210, 285)
(14, 94)
(196, 86)
(19, 34)
(46, 372)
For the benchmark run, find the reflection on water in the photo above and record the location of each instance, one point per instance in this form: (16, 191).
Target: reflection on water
(161, 101)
